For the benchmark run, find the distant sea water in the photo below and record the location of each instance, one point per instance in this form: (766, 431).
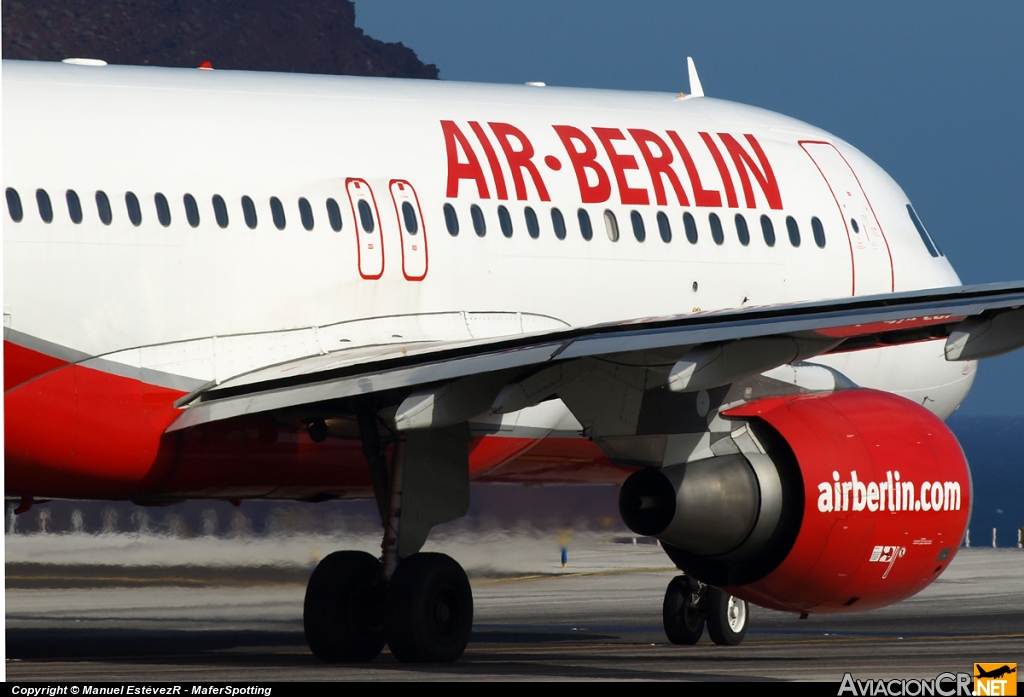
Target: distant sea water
(992, 445)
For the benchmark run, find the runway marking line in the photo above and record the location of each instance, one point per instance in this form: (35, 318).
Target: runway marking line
(570, 574)
(768, 642)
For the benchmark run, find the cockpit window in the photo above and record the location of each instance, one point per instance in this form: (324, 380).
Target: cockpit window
(929, 244)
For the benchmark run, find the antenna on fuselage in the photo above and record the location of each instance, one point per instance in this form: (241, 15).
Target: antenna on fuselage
(695, 87)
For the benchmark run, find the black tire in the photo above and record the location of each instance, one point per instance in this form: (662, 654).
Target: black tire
(683, 621)
(727, 617)
(343, 614)
(429, 610)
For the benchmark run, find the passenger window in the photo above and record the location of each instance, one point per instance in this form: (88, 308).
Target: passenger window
(103, 208)
(585, 229)
(479, 224)
(74, 206)
(191, 210)
(742, 232)
(306, 214)
(451, 219)
(277, 213)
(794, 231)
(717, 233)
(333, 215)
(365, 216)
(819, 232)
(929, 243)
(412, 226)
(664, 228)
(14, 205)
(220, 210)
(163, 210)
(638, 226)
(558, 222)
(505, 221)
(249, 212)
(131, 202)
(611, 226)
(532, 224)
(45, 208)
(768, 230)
(854, 225)
(690, 225)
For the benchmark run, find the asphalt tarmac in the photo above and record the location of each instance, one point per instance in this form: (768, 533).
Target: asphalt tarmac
(597, 619)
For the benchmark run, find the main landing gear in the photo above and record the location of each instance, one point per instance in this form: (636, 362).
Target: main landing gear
(419, 604)
(424, 612)
(690, 605)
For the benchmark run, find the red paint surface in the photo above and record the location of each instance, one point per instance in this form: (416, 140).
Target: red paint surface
(723, 171)
(659, 166)
(889, 326)
(761, 170)
(584, 161)
(78, 432)
(492, 160)
(519, 159)
(22, 364)
(629, 196)
(464, 166)
(701, 197)
(873, 433)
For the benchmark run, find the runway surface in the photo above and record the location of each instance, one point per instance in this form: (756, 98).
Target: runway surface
(598, 619)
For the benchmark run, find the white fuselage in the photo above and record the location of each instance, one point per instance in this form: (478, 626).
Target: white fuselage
(197, 303)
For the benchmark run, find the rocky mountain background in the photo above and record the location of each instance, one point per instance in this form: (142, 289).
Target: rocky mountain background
(301, 36)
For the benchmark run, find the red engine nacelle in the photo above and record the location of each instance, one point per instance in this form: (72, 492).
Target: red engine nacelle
(875, 497)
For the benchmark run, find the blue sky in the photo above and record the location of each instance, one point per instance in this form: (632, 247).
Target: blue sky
(934, 92)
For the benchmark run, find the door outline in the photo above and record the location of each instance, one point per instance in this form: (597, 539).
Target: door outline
(369, 267)
(407, 239)
(846, 223)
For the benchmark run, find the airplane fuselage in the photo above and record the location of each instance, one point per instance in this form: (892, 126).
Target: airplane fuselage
(179, 227)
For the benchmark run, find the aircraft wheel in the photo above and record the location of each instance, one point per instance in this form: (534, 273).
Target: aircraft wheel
(343, 614)
(429, 609)
(682, 612)
(726, 617)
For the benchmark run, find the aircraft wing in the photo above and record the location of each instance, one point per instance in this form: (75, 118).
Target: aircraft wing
(691, 352)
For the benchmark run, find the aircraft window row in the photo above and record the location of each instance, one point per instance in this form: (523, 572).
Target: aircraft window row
(636, 219)
(134, 209)
(367, 220)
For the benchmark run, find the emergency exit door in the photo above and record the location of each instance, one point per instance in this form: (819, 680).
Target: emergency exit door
(411, 228)
(369, 239)
(872, 262)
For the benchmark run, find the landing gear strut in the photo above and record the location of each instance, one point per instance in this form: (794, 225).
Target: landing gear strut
(690, 605)
(420, 604)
